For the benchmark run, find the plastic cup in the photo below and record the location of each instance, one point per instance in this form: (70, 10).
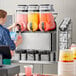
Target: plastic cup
(74, 57)
(65, 68)
(66, 55)
(75, 67)
(19, 36)
(35, 75)
(74, 52)
(28, 70)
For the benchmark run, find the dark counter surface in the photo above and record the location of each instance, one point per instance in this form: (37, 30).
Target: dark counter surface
(9, 70)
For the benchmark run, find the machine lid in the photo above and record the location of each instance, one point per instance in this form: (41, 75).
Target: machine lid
(22, 7)
(33, 7)
(21, 10)
(46, 7)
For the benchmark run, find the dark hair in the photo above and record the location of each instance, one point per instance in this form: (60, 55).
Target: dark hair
(3, 13)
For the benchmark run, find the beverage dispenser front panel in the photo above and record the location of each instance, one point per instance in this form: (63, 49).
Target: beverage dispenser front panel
(38, 41)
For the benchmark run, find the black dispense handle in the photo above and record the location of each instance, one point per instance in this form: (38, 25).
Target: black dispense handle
(19, 27)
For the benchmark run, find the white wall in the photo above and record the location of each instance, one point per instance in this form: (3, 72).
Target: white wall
(63, 7)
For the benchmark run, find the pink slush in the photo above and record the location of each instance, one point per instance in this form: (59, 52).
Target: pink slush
(28, 71)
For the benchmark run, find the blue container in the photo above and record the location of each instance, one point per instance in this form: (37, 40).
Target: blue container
(7, 61)
(13, 35)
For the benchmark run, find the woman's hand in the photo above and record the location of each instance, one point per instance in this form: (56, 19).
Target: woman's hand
(12, 26)
(19, 40)
(12, 53)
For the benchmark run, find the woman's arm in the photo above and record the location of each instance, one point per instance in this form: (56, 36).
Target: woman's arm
(12, 26)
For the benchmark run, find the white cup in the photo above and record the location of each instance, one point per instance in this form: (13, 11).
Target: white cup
(66, 68)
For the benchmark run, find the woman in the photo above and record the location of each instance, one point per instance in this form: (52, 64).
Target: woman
(5, 38)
